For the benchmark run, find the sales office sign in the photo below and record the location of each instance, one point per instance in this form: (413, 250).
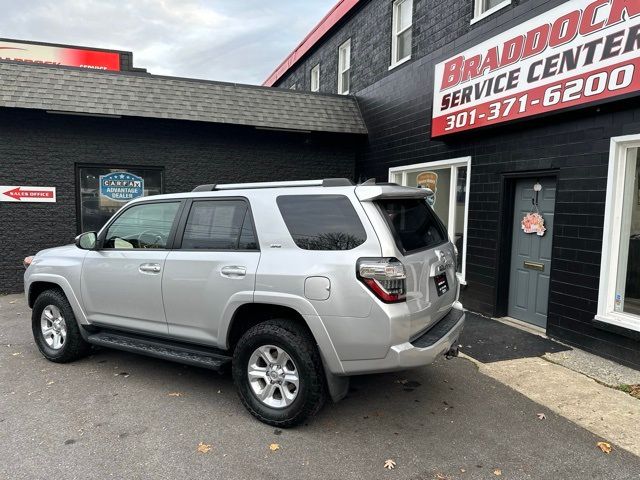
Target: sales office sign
(581, 52)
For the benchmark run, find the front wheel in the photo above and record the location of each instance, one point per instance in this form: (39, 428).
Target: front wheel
(55, 329)
(278, 373)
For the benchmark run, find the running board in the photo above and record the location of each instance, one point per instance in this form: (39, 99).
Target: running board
(187, 354)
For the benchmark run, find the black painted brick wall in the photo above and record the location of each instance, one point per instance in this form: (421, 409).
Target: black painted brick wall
(397, 107)
(42, 149)
(436, 24)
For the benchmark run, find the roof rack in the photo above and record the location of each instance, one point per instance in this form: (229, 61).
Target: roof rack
(327, 182)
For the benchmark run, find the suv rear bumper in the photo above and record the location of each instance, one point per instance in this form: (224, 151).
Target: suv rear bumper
(418, 352)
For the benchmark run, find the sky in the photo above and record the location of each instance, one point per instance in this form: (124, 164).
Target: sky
(229, 40)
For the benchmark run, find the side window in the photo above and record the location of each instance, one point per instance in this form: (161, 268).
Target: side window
(142, 226)
(219, 225)
(344, 68)
(402, 27)
(322, 222)
(483, 8)
(315, 78)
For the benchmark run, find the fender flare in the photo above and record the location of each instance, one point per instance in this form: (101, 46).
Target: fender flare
(306, 310)
(64, 284)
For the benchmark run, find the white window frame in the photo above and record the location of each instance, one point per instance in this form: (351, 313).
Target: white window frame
(315, 78)
(612, 232)
(345, 47)
(478, 14)
(395, 33)
(453, 164)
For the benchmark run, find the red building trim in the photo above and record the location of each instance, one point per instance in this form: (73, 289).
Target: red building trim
(327, 23)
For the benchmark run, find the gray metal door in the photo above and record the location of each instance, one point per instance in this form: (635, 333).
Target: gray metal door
(531, 253)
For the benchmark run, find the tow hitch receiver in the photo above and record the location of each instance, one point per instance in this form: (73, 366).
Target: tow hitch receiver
(452, 352)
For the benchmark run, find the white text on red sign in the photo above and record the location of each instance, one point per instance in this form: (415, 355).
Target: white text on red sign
(580, 52)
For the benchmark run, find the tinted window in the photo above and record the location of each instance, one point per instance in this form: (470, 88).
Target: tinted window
(218, 225)
(142, 226)
(413, 222)
(322, 222)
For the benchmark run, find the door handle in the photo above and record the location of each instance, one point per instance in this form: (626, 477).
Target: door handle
(149, 268)
(233, 271)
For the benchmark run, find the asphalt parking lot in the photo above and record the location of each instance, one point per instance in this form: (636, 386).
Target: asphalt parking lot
(117, 415)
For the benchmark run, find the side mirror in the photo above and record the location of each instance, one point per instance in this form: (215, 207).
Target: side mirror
(87, 240)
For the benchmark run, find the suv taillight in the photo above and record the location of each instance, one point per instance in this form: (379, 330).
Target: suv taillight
(385, 277)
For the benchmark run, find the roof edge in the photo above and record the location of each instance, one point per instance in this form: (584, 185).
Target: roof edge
(337, 13)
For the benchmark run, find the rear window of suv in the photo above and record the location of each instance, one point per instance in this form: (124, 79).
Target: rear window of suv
(322, 222)
(414, 225)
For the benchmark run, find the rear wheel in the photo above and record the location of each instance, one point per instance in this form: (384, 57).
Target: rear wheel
(278, 373)
(55, 329)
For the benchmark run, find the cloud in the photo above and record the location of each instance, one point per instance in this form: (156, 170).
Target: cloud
(237, 41)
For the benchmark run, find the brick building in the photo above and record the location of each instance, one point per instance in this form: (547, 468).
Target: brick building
(65, 126)
(509, 109)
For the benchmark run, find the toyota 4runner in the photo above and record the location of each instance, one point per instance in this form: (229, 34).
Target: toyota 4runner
(295, 285)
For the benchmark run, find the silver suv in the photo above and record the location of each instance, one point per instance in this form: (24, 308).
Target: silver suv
(296, 285)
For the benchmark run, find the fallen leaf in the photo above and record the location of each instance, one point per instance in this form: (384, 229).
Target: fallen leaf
(497, 472)
(274, 446)
(12, 302)
(462, 470)
(51, 382)
(604, 446)
(541, 416)
(440, 476)
(15, 354)
(389, 464)
(204, 448)
(175, 394)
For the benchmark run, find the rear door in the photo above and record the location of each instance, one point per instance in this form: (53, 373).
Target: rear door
(211, 270)
(410, 231)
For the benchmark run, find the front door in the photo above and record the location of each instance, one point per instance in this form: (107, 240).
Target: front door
(531, 252)
(121, 281)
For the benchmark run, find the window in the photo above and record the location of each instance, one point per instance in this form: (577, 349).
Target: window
(315, 78)
(484, 8)
(344, 68)
(414, 223)
(219, 225)
(402, 28)
(142, 226)
(322, 222)
(449, 180)
(619, 295)
(97, 205)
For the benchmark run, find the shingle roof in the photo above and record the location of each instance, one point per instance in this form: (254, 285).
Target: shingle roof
(81, 91)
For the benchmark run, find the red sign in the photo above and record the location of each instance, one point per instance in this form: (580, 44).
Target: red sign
(581, 52)
(70, 57)
(27, 194)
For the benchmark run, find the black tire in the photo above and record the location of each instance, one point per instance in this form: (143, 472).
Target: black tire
(74, 346)
(301, 347)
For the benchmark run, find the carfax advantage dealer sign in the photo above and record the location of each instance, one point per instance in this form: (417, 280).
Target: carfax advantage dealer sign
(580, 52)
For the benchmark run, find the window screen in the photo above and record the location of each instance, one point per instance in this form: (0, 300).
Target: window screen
(413, 222)
(219, 225)
(322, 222)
